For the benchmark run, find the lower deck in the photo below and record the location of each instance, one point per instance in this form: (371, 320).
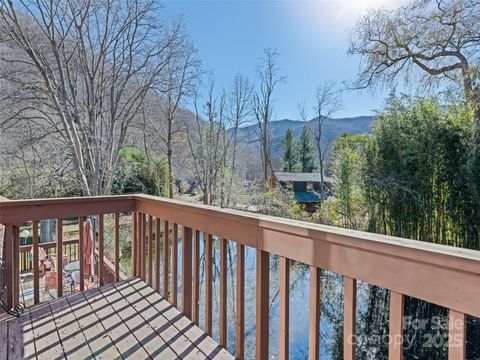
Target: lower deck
(122, 320)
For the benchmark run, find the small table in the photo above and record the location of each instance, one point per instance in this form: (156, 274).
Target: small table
(73, 266)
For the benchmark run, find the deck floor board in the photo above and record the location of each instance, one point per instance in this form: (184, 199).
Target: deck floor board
(116, 321)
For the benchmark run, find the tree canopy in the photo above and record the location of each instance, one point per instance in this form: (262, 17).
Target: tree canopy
(306, 151)
(425, 40)
(290, 152)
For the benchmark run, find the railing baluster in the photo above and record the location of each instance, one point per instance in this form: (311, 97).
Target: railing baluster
(81, 259)
(16, 272)
(35, 264)
(196, 278)
(456, 335)
(143, 246)
(262, 304)
(223, 292)
(134, 244)
(395, 347)
(349, 317)
(117, 247)
(314, 319)
(187, 272)
(208, 283)
(175, 265)
(139, 245)
(284, 307)
(166, 257)
(150, 251)
(157, 254)
(101, 250)
(11, 264)
(240, 328)
(59, 264)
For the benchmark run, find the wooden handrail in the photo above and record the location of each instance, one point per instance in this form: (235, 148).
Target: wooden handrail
(21, 211)
(47, 245)
(405, 267)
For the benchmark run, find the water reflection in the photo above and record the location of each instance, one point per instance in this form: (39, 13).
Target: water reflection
(372, 311)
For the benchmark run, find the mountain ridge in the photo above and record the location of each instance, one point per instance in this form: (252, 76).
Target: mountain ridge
(332, 129)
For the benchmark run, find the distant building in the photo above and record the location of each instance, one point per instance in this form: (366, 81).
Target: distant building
(306, 187)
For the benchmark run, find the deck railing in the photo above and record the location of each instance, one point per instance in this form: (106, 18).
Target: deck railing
(70, 249)
(446, 276)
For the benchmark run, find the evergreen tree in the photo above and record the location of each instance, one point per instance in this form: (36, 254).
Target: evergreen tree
(306, 151)
(290, 152)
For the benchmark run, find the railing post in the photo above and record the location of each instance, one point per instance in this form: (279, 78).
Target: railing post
(208, 283)
(117, 247)
(284, 307)
(150, 251)
(16, 264)
(11, 264)
(59, 257)
(157, 254)
(166, 258)
(196, 278)
(143, 246)
(35, 265)
(101, 251)
(175, 266)
(139, 245)
(223, 292)
(456, 335)
(395, 348)
(240, 328)
(349, 318)
(262, 308)
(81, 259)
(134, 244)
(187, 272)
(314, 317)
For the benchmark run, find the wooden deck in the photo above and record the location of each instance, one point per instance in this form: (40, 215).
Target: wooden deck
(122, 320)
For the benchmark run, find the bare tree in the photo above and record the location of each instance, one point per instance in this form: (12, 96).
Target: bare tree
(33, 164)
(92, 64)
(428, 40)
(269, 76)
(208, 145)
(180, 80)
(327, 102)
(239, 100)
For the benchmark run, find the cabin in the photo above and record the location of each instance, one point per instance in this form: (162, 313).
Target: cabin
(306, 187)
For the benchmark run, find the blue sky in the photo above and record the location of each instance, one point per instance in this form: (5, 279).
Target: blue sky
(311, 36)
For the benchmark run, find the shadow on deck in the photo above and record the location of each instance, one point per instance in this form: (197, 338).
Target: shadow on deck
(122, 320)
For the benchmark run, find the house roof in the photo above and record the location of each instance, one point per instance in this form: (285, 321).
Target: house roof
(306, 197)
(301, 177)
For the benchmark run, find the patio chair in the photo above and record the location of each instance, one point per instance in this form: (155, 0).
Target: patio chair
(51, 282)
(44, 263)
(89, 281)
(65, 261)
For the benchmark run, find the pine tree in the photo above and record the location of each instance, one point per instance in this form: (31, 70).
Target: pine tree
(290, 152)
(306, 151)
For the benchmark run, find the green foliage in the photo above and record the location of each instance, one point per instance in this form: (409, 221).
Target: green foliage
(347, 170)
(138, 173)
(306, 151)
(415, 177)
(281, 203)
(290, 152)
(298, 157)
(419, 174)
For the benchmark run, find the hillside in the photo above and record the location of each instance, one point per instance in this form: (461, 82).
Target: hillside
(332, 129)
